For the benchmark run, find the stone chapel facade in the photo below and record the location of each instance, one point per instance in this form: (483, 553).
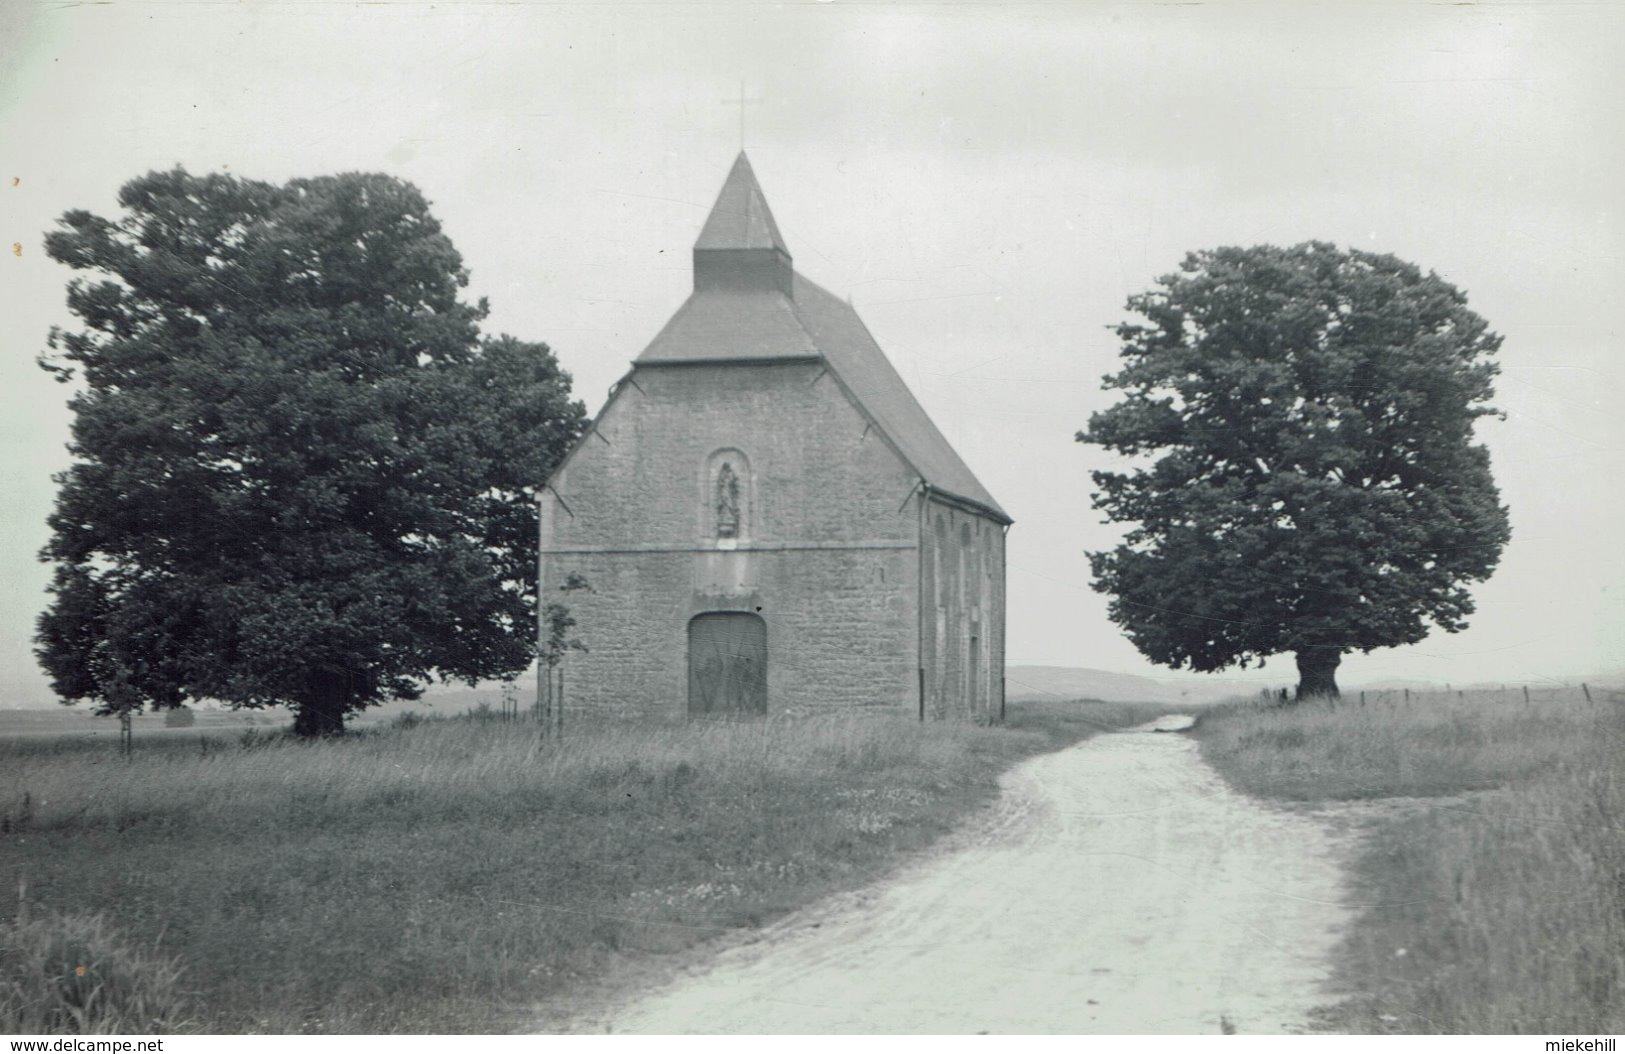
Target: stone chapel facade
(765, 517)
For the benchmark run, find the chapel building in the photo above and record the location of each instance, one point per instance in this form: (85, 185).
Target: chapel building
(765, 518)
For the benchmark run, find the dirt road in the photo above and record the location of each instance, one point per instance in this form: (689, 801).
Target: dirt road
(1123, 889)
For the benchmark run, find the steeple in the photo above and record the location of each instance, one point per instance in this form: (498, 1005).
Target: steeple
(740, 248)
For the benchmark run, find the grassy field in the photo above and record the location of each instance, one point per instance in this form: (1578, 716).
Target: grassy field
(1497, 904)
(451, 875)
(58, 721)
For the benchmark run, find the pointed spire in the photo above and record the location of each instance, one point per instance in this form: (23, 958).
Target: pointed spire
(740, 246)
(741, 219)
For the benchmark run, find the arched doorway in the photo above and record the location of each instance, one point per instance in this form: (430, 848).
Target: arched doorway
(727, 664)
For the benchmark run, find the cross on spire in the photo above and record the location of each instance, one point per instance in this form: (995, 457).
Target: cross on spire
(742, 100)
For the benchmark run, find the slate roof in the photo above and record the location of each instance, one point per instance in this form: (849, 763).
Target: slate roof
(722, 322)
(740, 219)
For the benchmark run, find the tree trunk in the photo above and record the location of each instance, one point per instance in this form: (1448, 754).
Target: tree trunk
(322, 710)
(1317, 672)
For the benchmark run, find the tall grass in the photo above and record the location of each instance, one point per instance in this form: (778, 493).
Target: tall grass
(74, 973)
(454, 875)
(1500, 906)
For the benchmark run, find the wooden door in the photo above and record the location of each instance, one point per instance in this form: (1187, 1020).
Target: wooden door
(727, 664)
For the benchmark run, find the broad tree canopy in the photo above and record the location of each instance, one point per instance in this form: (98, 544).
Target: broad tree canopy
(300, 474)
(1302, 472)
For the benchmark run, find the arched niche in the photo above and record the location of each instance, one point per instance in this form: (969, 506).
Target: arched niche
(727, 498)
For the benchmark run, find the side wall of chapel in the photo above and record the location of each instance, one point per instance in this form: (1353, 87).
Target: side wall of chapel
(962, 617)
(820, 539)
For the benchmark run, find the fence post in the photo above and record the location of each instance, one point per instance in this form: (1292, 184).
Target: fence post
(1586, 689)
(1526, 694)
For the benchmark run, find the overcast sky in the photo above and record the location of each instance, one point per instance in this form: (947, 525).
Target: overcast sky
(987, 182)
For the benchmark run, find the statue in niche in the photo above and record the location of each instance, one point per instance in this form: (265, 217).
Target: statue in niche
(727, 502)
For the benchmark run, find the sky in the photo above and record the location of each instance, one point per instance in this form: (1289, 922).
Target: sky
(987, 182)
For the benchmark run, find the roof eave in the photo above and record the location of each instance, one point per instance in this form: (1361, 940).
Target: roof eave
(587, 430)
(948, 497)
(732, 360)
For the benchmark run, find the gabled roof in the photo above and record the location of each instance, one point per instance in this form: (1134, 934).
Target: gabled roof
(741, 318)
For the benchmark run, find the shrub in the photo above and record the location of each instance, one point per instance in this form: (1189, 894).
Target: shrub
(179, 717)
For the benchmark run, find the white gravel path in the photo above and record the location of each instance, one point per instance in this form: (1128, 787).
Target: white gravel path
(1122, 889)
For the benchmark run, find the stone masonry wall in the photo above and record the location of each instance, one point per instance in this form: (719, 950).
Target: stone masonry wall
(826, 551)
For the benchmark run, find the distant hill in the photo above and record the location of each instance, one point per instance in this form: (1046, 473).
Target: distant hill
(1073, 682)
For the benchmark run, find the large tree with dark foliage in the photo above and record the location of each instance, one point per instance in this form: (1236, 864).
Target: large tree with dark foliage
(1303, 475)
(300, 475)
